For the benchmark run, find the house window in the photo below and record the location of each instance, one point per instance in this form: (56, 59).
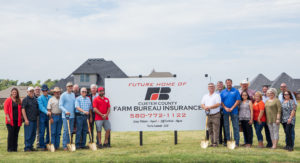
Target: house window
(87, 78)
(84, 78)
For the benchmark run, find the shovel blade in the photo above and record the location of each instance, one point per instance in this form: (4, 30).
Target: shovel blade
(204, 144)
(71, 147)
(50, 147)
(231, 145)
(93, 146)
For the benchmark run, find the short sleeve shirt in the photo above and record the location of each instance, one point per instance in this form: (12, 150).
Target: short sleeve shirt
(31, 108)
(210, 100)
(287, 108)
(229, 98)
(102, 105)
(84, 103)
(257, 107)
(53, 105)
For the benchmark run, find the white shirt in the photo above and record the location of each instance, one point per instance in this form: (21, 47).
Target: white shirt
(210, 100)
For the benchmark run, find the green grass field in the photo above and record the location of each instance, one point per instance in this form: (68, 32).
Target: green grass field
(158, 147)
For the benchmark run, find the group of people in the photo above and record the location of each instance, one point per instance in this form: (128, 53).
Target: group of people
(245, 108)
(73, 107)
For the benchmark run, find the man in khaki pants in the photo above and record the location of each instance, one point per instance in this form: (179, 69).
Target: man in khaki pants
(211, 103)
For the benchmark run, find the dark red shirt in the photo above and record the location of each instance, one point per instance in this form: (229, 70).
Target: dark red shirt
(102, 105)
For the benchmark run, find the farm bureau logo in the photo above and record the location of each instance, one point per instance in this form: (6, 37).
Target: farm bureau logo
(158, 93)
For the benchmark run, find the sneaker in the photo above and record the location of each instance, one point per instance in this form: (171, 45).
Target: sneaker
(27, 150)
(85, 147)
(100, 146)
(225, 144)
(106, 145)
(65, 149)
(32, 149)
(290, 149)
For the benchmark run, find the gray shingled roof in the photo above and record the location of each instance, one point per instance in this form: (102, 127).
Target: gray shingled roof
(155, 74)
(259, 81)
(63, 82)
(6, 92)
(293, 84)
(98, 66)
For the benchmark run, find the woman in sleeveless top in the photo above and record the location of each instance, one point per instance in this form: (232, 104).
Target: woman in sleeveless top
(246, 118)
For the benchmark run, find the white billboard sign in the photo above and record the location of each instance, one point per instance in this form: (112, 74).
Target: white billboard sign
(155, 104)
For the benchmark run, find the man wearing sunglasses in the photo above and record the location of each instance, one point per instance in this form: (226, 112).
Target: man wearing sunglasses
(83, 107)
(283, 88)
(44, 117)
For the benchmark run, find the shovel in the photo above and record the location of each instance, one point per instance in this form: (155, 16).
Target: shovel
(230, 143)
(70, 146)
(92, 145)
(50, 146)
(204, 143)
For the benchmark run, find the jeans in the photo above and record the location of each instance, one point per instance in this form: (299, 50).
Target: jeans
(247, 131)
(288, 130)
(56, 130)
(222, 129)
(82, 128)
(258, 128)
(44, 125)
(292, 134)
(12, 138)
(66, 137)
(235, 124)
(30, 133)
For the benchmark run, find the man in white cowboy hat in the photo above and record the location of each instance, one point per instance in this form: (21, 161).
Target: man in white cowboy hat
(245, 87)
(56, 119)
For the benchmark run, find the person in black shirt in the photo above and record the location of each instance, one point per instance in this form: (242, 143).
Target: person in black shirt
(12, 109)
(30, 113)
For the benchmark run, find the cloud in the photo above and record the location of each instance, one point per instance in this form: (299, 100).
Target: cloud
(193, 36)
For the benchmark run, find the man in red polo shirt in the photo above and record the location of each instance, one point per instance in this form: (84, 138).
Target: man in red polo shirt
(101, 107)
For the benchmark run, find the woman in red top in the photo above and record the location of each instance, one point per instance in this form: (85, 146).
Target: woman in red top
(259, 117)
(13, 119)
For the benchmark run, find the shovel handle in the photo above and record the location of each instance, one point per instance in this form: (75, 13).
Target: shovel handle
(206, 132)
(49, 130)
(69, 130)
(87, 120)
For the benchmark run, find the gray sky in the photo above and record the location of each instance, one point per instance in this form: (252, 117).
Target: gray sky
(226, 38)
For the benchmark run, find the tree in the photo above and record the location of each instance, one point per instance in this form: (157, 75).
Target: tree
(6, 83)
(50, 83)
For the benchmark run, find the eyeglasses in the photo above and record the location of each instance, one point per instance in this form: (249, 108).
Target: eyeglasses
(83, 91)
(286, 94)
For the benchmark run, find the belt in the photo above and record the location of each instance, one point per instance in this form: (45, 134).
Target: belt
(56, 114)
(213, 114)
(79, 114)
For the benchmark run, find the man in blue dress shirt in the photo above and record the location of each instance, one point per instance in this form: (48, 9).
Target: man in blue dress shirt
(231, 98)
